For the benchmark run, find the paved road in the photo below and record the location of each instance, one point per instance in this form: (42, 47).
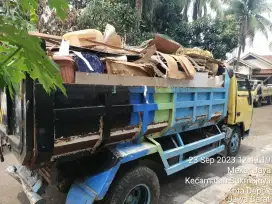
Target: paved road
(173, 188)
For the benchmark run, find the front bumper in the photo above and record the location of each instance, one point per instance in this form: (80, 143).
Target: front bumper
(30, 181)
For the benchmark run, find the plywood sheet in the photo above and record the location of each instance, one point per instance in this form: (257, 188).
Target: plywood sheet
(200, 80)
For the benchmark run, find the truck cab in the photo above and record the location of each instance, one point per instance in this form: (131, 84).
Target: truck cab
(242, 105)
(261, 93)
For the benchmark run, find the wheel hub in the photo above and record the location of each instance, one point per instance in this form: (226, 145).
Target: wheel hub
(140, 194)
(234, 142)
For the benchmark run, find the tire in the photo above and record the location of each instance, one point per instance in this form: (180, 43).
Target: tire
(141, 184)
(269, 100)
(234, 143)
(259, 103)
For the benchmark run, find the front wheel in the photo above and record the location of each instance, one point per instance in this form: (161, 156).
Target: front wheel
(138, 186)
(259, 102)
(269, 100)
(234, 143)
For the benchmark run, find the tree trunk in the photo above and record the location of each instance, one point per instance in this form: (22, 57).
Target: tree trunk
(196, 9)
(139, 7)
(238, 58)
(241, 43)
(205, 10)
(185, 12)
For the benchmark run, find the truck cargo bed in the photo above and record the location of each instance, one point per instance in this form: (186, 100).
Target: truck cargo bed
(46, 127)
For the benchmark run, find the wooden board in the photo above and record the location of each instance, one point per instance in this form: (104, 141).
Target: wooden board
(200, 80)
(98, 46)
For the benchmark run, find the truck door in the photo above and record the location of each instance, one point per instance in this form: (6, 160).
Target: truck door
(244, 105)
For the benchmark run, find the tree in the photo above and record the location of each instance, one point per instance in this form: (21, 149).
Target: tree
(219, 36)
(250, 20)
(48, 21)
(20, 53)
(200, 7)
(216, 35)
(122, 16)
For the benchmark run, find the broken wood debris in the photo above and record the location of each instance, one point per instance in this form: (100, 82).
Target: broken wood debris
(160, 57)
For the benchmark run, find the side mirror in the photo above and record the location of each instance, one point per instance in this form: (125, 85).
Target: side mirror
(249, 92)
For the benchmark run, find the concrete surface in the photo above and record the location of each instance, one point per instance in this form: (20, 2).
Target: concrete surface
(174, 190)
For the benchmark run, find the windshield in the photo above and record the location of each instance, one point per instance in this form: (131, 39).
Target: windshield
(242, 86)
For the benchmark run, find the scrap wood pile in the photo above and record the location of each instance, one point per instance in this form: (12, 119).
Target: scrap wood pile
(93, 52)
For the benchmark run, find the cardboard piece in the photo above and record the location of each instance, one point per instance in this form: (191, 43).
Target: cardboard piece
(149, 52)
(199, 68)
(190, 68)
(183, 66)
(173, 71)
(115, 41)
(77, 38)
(128, 68)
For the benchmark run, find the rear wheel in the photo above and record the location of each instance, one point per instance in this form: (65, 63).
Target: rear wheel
(234, 143)
(138, 186)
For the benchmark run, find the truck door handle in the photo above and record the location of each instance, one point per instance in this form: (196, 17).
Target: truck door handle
(238, 114)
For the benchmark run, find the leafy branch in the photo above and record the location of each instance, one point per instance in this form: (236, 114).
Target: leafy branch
(24, 50)
(10, 57)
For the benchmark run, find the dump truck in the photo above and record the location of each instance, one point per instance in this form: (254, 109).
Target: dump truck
(104, 142)
(261, 93)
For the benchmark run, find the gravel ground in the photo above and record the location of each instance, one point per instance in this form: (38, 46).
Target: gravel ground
(173, 189)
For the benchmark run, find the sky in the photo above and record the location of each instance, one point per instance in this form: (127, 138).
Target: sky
(260, 46)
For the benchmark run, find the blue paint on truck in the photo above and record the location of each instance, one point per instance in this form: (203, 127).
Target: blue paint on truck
(98, 184)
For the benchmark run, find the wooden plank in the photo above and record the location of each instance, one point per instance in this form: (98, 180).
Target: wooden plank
(111, 46)
(102, 47)
(46, 36)
(200, 80)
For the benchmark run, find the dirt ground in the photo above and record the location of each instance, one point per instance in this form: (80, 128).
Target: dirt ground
(174, 190)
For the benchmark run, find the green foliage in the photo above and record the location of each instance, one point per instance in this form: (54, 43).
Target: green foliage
(97, 14)
(61, 7)
(219, 36)
(249, 16)
(216, 35)
(20, 53)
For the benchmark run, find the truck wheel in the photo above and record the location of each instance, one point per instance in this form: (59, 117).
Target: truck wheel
(259, 103)
(269, 100)
(234, 143)
(138, 186)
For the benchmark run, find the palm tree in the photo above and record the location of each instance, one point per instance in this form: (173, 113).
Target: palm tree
(200, 7)
(250, 19)
(146, 7)
(139, 7)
